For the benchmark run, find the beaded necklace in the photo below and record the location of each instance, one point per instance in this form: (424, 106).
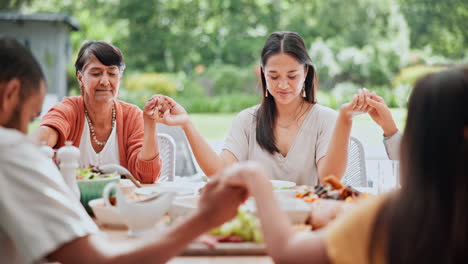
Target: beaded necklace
(91, 127)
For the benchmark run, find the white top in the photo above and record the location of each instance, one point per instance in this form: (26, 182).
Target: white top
(38, 212)
(392, 145)
(300, 164)
(108, 155)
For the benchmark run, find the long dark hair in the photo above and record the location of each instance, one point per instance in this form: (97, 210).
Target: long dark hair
(427, 220)
(292, 44)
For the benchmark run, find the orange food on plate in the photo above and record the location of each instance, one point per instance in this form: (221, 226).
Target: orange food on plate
(331, 189)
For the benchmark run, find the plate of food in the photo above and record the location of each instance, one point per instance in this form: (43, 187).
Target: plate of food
(332, 188)
(240, 236)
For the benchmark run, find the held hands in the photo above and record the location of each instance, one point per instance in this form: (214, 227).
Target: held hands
(358, 104)
(380, 113)
(219, 202)
(369, 102)
(163, 109)
(221, 197)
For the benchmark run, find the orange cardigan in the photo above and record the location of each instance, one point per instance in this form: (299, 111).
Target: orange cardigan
(67, 118)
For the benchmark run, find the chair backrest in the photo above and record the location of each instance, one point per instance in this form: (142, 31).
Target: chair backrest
(167, 152)
(355, 174)
(185, 161)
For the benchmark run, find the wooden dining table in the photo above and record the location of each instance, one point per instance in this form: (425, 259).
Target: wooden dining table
(121, 234)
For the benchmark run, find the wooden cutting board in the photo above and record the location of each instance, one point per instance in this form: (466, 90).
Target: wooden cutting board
(223, 249)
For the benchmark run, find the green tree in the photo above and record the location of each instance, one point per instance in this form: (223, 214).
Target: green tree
(177, 35)
(12, 5)
(442, 25)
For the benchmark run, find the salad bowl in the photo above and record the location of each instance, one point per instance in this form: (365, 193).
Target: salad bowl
(91, 185)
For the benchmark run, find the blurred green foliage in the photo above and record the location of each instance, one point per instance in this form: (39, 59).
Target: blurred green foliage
(410, 75)
(155, 83)
(209, 50)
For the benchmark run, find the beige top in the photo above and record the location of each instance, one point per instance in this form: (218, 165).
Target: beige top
(300, 164)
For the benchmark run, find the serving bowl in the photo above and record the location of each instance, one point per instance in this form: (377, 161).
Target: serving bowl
(107, 215)
(140, 216)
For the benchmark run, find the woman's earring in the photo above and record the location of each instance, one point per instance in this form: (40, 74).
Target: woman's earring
(266, 92)
(303, 91)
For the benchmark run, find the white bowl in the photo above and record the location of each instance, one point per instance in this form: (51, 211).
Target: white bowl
(107, 216)
(127, 186)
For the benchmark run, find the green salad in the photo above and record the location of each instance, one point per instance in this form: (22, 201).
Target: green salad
(245, 226)
(92, 174)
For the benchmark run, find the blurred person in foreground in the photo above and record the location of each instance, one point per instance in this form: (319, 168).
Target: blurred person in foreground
(106, 130)
(423, 222)
(40, 219)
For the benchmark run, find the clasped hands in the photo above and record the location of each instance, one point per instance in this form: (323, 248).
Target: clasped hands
(223, 194)
(163, 109)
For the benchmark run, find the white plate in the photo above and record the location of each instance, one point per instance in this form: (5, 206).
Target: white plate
(278, 184)
(166, 187)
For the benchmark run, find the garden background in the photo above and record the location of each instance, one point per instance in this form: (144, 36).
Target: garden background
(205, 53)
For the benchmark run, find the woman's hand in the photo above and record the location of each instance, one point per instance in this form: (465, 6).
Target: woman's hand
(172, 113)
(381, 114)
(154, 108)
(347, 110)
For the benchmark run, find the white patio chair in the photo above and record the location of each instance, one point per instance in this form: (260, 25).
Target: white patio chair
(185, 161)
(355, 174)
(167, 151)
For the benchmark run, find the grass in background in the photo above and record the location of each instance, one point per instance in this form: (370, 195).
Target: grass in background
(214, 127)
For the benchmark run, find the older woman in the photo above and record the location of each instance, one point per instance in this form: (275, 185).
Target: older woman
(106, 131)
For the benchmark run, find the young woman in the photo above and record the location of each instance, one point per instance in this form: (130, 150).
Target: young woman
(106, 130)
(423, 222)
(289, 133)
